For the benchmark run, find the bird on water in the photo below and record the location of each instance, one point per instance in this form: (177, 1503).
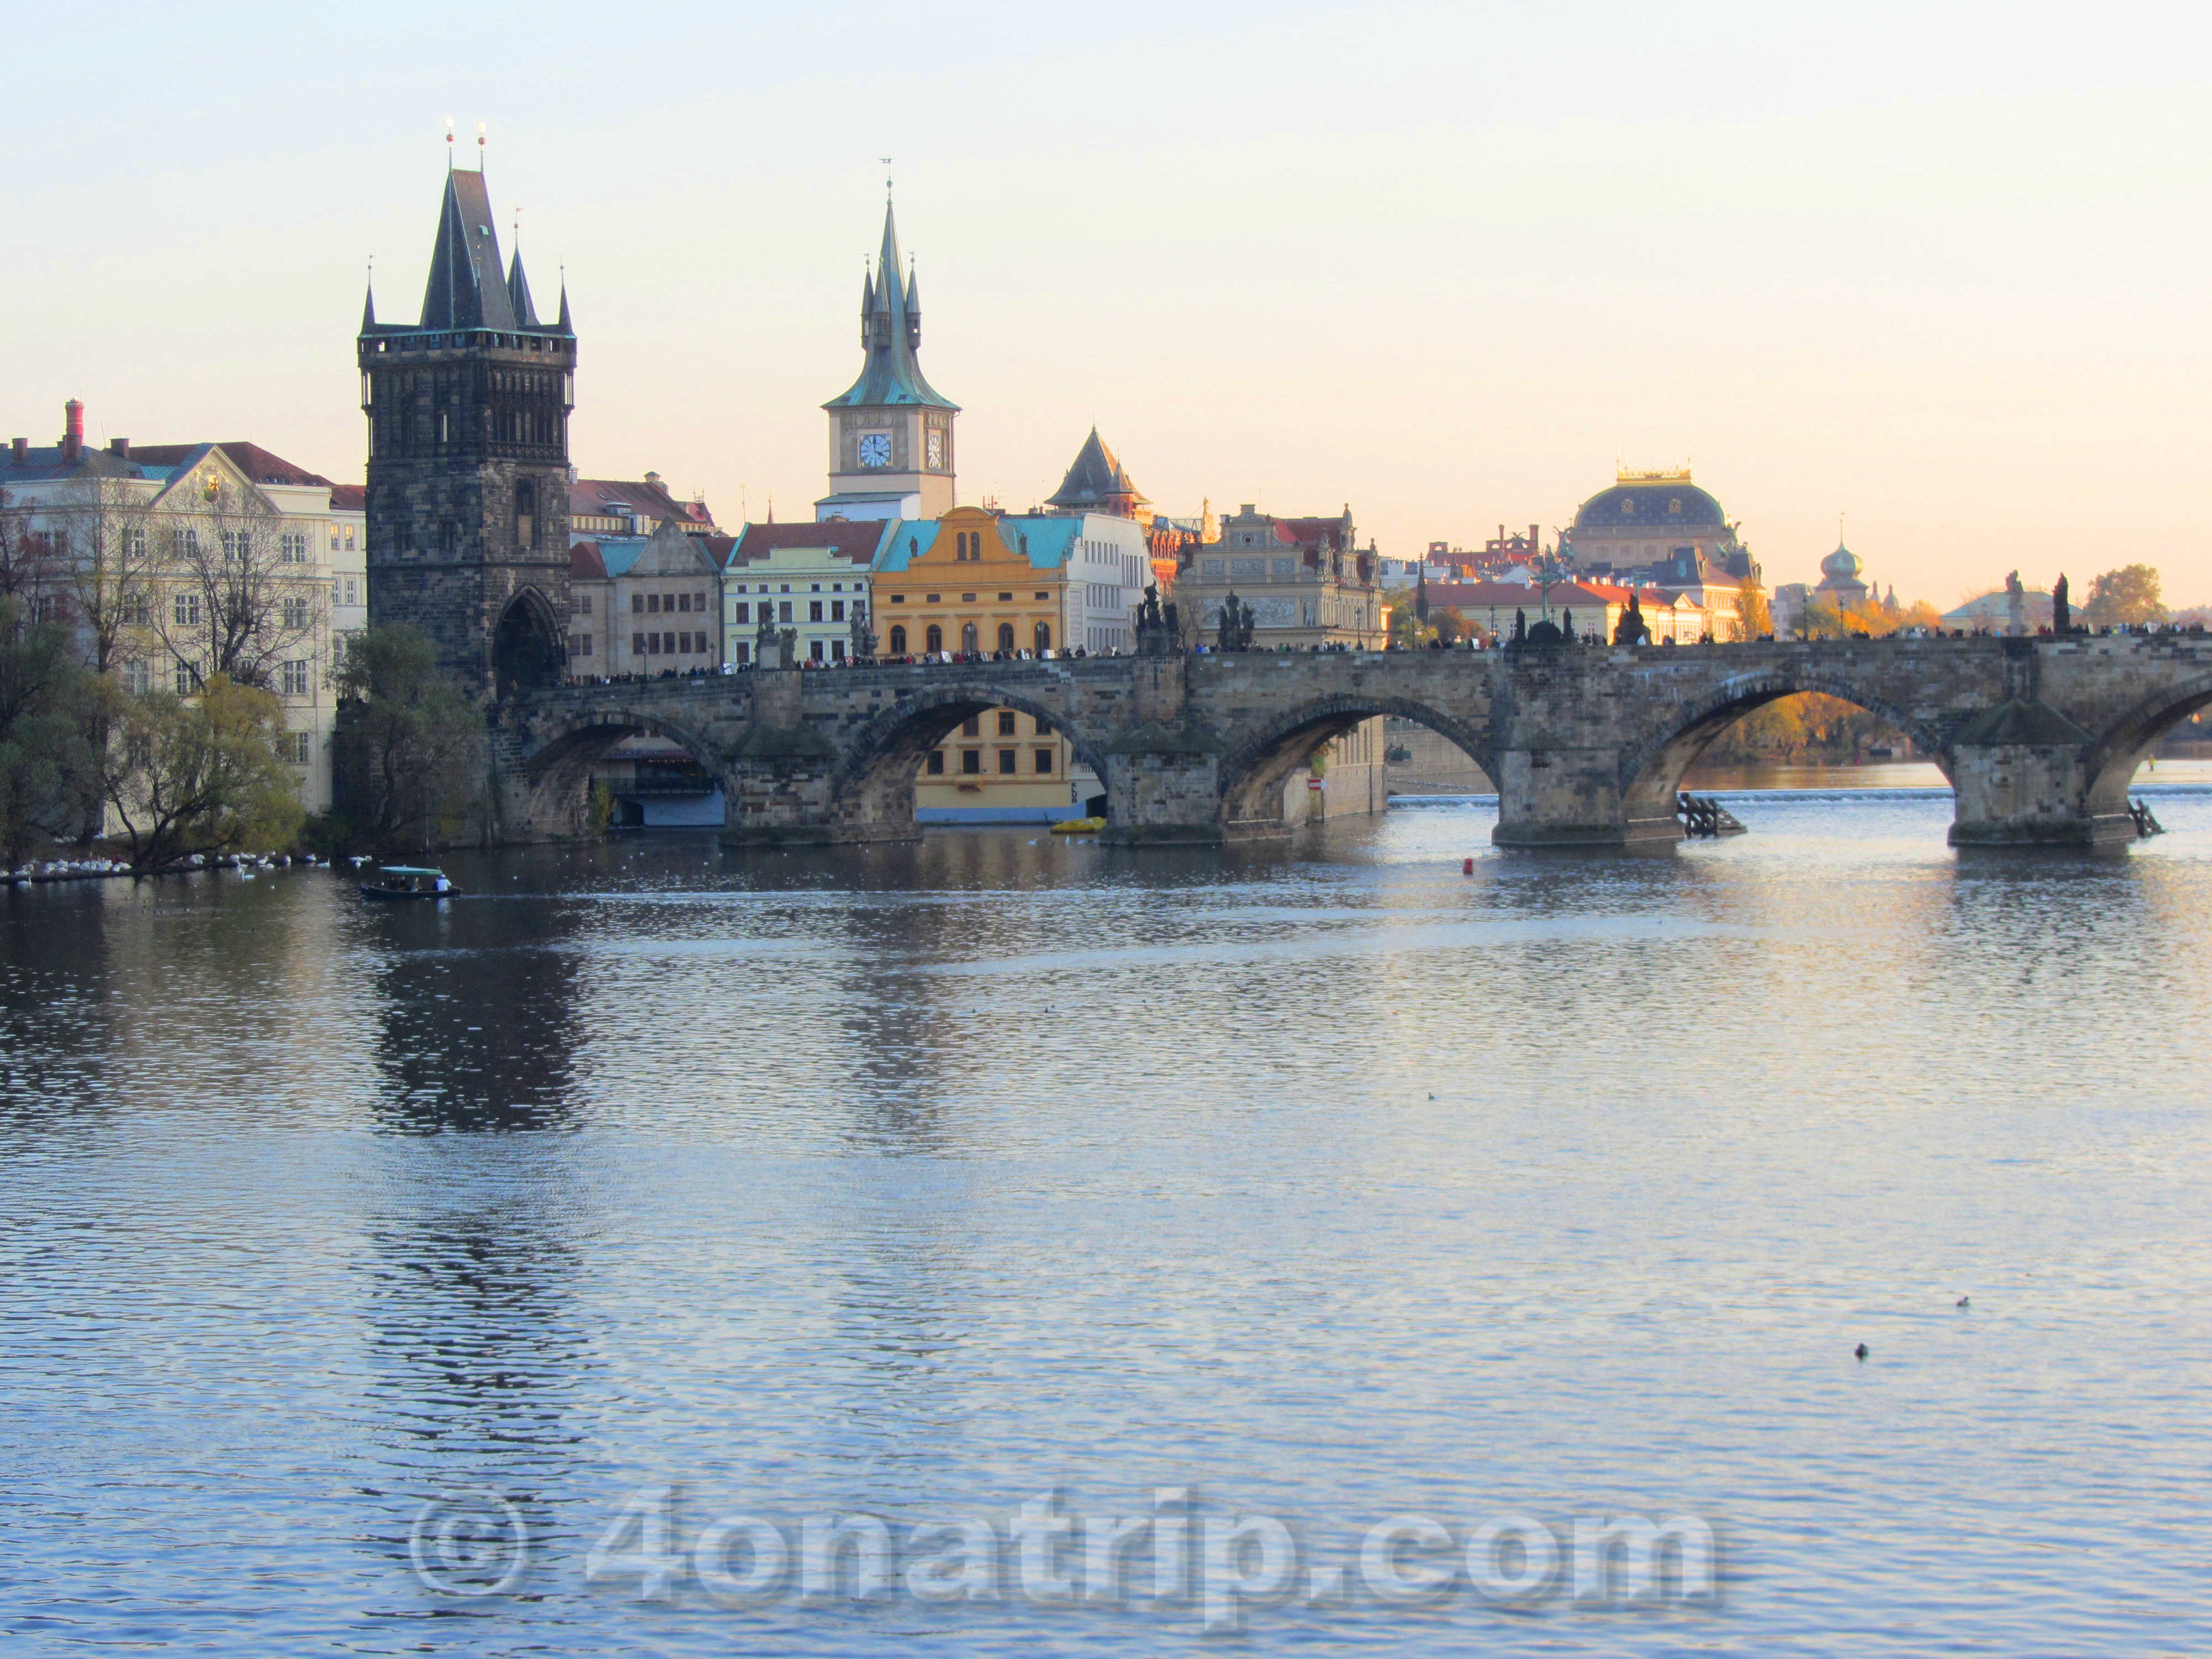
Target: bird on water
(1963, 1302)
(1862, 1350)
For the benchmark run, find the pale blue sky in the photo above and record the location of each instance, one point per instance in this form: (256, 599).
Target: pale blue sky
(1941, 266)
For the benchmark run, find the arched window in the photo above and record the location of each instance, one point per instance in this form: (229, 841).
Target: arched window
(1043, 638)
(1005, 637)
(935, 638)
(968, 638)
(898, 641)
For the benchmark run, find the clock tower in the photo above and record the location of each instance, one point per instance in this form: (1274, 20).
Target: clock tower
(890, 434)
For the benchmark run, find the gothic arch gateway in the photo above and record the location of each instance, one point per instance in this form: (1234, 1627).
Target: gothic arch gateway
(2038, 737)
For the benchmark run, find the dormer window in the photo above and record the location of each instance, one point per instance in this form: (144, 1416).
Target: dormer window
(1674, 506)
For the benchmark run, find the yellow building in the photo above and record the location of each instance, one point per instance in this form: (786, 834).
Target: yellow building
(973, 584)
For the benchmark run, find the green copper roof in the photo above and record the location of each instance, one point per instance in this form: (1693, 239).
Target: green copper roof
(890, 332)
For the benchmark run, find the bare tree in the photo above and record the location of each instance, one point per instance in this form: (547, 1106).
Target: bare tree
(108, 530)
(26, 562)
(241, 595)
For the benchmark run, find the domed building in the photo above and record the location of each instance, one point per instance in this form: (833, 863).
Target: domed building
(1659, 530)
(1839, 582)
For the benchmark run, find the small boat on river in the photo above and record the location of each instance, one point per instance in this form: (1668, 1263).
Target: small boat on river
(403, 881)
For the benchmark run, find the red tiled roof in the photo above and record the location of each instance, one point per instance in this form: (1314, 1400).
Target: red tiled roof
(255, 462)
(348, 498)
(585, 563)
(600, 498)
(855, 539)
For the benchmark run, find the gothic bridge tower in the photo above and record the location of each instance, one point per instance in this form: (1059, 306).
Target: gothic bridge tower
(468, 458)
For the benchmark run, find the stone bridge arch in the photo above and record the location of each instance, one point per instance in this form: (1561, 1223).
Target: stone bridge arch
(1651, 766)
(1260, 760)
(2122, 747)
(873, 782)
(552, 798)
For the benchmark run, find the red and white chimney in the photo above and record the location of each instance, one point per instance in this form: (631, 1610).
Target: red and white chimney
(72, 430)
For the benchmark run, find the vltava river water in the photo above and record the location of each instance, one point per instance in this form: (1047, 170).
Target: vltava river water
(361, 1259)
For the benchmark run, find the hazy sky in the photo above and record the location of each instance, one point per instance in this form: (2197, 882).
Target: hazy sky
(1941, 267)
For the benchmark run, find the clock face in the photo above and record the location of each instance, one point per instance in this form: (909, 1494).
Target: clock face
(875, 449)
(936, 448)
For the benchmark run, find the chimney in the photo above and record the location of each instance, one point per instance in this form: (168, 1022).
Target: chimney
(20, 451)
(72, 430)
(119, 447)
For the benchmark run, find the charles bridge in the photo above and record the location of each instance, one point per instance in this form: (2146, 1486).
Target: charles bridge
(1587, 746)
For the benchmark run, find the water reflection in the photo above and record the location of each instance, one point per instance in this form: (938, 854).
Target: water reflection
(475, 1002)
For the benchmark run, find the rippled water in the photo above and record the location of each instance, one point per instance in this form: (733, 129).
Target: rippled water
(1325, 1181)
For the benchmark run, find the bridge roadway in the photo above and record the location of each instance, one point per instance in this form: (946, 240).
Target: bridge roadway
(1586, 744)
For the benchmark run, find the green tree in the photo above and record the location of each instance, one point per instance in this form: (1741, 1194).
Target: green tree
(413, 749)
(199, 773)
(2128, 594)
(46, 755)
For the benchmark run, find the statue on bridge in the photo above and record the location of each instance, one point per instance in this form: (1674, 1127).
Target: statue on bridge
(2016, 605)
(2062, 613)
(1632, 629)
(766, 641)
(860, 645)
(1234, 632)
(1156, 625)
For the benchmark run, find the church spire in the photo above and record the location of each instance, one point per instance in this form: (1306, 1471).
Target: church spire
(368, 309)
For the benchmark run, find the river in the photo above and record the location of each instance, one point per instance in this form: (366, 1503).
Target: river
(593, 1263)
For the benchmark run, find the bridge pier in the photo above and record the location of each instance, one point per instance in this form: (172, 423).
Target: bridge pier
(1163, 789)
(1573, 798)
(2024, 775)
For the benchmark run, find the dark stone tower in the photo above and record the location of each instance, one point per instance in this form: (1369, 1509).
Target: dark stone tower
(468, 459)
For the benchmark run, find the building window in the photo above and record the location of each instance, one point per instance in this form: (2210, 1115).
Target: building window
(814, 611)
(684, 643)
(652, 605)
(783, 611)
(137, 676)
(295, 613)
(972, 727)
(934, 640)
(1005, 637)
(1043, 638)
(299, 748)
(814, 650)
(698, 601)
(741, 613)
(937, 763)
(637, 645)
(1043, 762)
(745, 652)
(683, 601)
(185, 679)
(971, 762)
(1044, 727)
(836, 651)
(187, 609)
(637, 605)
(969, 638)
(1006, 763)
(668, 602)
(836, 611)
(898, 641)
(295, 677)
(1005, 722)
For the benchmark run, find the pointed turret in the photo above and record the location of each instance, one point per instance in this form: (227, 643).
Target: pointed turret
(1097, 484)
(518, 293)
(563, 326)
(369, 310)
(890, 333)
(466, 289)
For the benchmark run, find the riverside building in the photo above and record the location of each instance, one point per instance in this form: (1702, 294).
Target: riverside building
(167, 562)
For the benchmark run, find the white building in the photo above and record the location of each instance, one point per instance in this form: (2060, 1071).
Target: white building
(811, 579)
(168, 562)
